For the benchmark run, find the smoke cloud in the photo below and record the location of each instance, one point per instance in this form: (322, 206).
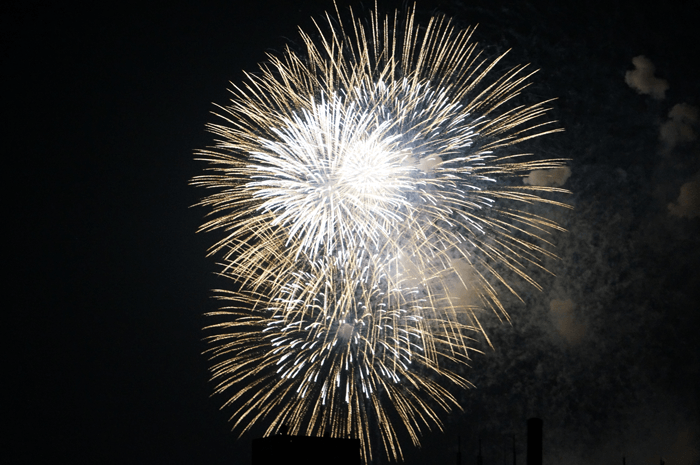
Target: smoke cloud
(688, 203)
(550, 178)
(642, 78)
(564, 319)
(679, 127)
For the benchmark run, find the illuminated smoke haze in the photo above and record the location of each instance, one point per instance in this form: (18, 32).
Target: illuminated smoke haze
(607, 354)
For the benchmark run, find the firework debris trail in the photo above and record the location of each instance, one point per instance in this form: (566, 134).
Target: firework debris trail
(372, 207)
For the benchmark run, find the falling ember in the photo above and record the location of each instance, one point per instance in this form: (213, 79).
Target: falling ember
(366, 192)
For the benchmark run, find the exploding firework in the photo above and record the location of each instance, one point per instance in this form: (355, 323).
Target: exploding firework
(372, 209)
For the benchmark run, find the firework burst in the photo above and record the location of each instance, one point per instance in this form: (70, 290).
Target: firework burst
(371, 210)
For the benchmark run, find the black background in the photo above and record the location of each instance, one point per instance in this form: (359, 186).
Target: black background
(107, 280)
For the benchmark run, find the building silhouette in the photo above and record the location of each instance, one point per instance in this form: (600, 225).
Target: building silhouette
(284, 449)
(534, 441)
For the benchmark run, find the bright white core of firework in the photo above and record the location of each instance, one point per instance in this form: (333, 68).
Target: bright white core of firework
(339, 176)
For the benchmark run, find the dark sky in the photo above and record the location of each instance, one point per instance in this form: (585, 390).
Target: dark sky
(109, 280)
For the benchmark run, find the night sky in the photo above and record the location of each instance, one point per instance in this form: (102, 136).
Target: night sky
(108, 280)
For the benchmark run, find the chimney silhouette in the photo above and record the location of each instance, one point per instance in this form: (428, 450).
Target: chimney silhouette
(534, 441)
(480, 458)
(459, 450)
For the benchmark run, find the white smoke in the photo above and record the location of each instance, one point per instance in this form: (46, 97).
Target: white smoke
(679, 127)
(642, 78)
(688, 203)
(550, 178)
(564, 319)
